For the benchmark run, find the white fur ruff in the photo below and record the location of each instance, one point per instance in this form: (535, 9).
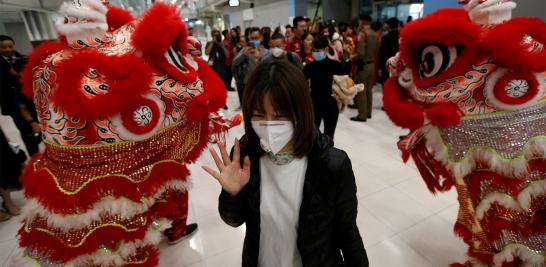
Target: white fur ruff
(529, 258)
(103, 258)
(119, 206)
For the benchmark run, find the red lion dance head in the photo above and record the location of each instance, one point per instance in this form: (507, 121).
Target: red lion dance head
(123, 106)
(471, 85)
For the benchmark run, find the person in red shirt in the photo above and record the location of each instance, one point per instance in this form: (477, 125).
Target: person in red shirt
(300, 27)
(306, 53)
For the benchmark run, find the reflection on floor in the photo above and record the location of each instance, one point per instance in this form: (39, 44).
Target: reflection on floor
(401, 223)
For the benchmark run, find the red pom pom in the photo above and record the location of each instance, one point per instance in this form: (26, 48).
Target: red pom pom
(117, 17)
(505, 42)
(400, 109)
(125, 77)
(444, 115)
(160, 28)
(213, 85)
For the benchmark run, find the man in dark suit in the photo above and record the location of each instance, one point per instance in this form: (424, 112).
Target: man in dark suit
(389, 47)
(12, 102)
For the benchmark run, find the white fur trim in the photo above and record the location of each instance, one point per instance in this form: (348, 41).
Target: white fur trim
(508, 167)
(120, 206)
(153, 237)
(522, 203)
(529, 258)
(102, 258)
(128, 135)
(191, 61)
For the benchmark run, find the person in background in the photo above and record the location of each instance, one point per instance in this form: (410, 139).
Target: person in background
(300, 27)
(190, 31)
(306, 53)
(389, 47)
(266, 36)
(277, 52)
(218, 55)
(12, 102)
(228, 45)
(367, 49)
(11, 166)
(289, 33)
(335, 51)
(295, 192)
(248, 58)
(321, 73)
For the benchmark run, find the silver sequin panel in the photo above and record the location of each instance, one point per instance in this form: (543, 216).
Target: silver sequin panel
(487, 187)
(505, 132)
(537, 243)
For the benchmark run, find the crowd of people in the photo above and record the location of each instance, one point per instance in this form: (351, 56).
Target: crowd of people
(320, 50)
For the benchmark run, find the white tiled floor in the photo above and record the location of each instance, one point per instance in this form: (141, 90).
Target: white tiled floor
(401, 223)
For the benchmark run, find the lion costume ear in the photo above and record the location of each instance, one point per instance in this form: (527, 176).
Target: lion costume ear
(518, 44)
(160, 28)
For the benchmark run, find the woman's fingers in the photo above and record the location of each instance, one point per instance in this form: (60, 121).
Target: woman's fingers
(236, 151)
(246, 166)
(217, 159)
(213, 173)
(223, 151)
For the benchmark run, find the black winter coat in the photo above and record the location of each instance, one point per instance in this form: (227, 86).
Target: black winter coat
(327, 230)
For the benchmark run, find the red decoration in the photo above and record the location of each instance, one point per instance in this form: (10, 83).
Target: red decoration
(117, 17)
(502, 84)
(504, 42)
(127, 78)
(129, 116)
(455, 28)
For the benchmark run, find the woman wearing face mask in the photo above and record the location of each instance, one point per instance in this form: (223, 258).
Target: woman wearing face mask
(321, 73)
(295, 192)
(277, 51)
(307, 51)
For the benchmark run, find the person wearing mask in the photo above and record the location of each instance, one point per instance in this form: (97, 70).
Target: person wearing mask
(389, 47)
(248, 58)
(278, 52)
(321, 73)
(367, 49)
(300, 27)
(12, 102)
(306, 53)
(294, 191)
(228, 45)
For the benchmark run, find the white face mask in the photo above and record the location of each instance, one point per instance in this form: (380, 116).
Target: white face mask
(274, 135)
(277, 52)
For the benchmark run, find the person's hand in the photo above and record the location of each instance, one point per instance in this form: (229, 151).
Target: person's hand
(231, 177)
(36, 127)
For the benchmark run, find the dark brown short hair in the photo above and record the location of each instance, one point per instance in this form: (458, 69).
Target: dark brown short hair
(289, 94)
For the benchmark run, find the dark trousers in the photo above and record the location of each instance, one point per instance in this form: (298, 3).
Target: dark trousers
(326, 110)
(365, 98)
(30, 140)
(228, 76)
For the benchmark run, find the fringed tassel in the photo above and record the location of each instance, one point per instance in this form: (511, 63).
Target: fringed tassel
(436, 176)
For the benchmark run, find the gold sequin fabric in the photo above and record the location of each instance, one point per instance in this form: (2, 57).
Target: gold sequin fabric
(74, 168)
(78, 238)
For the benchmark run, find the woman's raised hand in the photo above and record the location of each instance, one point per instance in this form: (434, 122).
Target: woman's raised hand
(231, 177)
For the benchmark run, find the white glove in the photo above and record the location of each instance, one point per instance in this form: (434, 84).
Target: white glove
(490, 11)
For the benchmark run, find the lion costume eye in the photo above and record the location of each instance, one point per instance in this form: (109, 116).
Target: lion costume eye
(435, 59)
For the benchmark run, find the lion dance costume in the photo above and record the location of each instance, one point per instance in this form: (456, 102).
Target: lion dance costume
(124, 107)
(471, 87)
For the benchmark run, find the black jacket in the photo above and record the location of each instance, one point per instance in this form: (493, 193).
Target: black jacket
(327, 231)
